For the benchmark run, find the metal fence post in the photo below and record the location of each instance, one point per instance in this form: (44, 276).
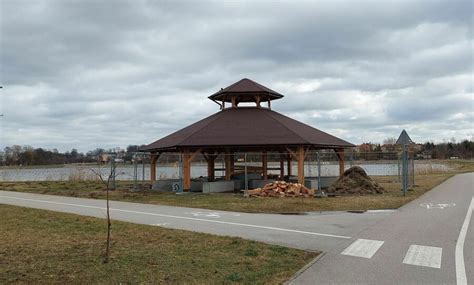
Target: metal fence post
(319, 173)
(405, 170)
(143, 168)
(112, 171)
(135, 173)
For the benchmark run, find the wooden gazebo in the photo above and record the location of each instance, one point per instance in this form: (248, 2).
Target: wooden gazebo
(237, 129)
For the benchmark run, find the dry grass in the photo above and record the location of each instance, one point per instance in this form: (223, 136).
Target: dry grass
(391, 199)
(44, 247)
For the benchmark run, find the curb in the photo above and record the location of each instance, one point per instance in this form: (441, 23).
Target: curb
(302, 270)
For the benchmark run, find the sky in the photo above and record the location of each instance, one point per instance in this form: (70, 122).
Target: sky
(88, 74)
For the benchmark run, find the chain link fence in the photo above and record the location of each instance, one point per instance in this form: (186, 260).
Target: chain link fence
(321, 166)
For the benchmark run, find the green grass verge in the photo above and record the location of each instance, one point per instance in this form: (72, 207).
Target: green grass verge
(38, 246)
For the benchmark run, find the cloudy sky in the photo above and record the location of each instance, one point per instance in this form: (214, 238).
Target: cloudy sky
(87, 74)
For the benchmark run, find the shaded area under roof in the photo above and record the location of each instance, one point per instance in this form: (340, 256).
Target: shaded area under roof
(246, 89)
(246, 127)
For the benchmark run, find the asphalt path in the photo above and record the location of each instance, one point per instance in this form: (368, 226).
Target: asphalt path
(421, 243)
(415, 245)
(324, 231)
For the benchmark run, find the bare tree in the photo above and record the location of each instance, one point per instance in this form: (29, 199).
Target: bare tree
(107, 181)
(390, 140)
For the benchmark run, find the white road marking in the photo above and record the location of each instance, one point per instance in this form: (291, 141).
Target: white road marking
(382, 211)
(461, 277)
(428, 256)
(206, 214)
(437, 206)
(363, 248)
(182, 218)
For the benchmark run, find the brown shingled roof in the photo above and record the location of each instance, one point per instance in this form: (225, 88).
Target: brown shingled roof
(247, 126)
(246, 89)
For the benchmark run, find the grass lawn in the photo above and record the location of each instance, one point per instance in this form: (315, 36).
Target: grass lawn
(391, 199)
(38, 246)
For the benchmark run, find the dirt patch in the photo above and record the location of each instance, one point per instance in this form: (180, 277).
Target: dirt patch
(355, 181)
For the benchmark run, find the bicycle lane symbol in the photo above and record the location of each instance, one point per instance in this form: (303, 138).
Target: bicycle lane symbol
(441, 206)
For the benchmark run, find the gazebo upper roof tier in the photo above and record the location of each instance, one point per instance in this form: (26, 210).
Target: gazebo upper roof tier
(245, 90)
(246, 127)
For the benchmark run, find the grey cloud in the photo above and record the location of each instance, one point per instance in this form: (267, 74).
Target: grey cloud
(85, 73)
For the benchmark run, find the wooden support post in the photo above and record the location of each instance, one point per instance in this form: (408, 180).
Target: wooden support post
(300, 154)
(257, 101)
(264, 165)
(211, 167)
(340, 156)
(289, 164)
(153, 159)
(187, 158)
(186, 170)
(282, 167)
(228, 165)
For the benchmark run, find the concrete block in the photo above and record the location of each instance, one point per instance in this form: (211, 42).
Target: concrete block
(196, 185)
(311, 183)
(218, 186)
(164, 184)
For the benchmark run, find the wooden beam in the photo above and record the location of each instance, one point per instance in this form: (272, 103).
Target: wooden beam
(300, 153)
(340, 156)
(153, 159)
(264, 165)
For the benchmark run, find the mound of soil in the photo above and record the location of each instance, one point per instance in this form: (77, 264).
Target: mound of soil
(355, 181)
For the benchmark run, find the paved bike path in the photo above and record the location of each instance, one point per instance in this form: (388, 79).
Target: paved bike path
(314, 231)
(416, 245)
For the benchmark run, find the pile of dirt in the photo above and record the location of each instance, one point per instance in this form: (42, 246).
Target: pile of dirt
(355, 181)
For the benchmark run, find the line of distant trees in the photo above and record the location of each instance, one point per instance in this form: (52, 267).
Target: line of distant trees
(428, 150)
(28, 155)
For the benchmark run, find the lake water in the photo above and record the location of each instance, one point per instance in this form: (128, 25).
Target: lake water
(126, 172)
